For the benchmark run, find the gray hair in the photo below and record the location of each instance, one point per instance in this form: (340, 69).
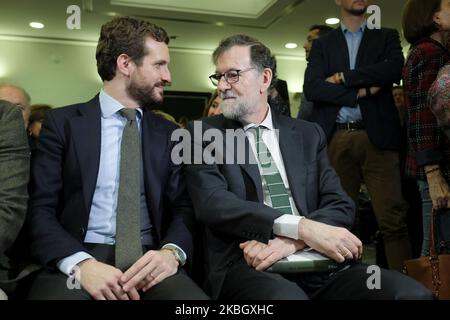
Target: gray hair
(261, 56)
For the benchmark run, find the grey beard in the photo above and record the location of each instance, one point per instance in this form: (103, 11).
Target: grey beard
(237, 114)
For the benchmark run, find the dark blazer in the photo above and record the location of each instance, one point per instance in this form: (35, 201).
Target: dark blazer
(65, 171)
(379, 64)
(14, 175)
(229, 201)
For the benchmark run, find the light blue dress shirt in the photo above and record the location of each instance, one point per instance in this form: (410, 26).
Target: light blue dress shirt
(102, 217)
(347, 113)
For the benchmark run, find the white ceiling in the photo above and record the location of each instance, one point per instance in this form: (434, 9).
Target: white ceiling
(194, 24)
(251, 9)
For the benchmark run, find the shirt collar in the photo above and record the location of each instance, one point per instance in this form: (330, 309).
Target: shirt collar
(361, 27)
(110, 106)
(267, 122)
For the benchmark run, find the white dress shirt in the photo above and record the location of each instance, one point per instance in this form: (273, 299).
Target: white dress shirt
(287, 224)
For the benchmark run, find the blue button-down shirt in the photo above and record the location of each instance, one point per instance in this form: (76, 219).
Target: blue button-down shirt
(102, 217)
(347, 113)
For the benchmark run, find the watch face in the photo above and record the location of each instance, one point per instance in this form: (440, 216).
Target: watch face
(179, 256)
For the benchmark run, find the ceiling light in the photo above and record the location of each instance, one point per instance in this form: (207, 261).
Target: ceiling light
(332, 21)
(36, 25)
(291, 45)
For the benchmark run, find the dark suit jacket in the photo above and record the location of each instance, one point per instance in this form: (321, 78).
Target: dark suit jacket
(379, 64)
(229, 201)
(14, 175)
(65, 171)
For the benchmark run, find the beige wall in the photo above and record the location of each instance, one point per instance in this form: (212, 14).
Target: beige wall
(61, 73)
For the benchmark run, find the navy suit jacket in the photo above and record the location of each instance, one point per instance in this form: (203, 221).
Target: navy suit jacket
(229, 198)
(65, 170)
(379, 63)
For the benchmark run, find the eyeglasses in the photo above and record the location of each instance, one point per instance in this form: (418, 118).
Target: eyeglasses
(230, 77)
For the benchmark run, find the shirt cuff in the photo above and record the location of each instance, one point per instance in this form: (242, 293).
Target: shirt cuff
(184, 256)
(66, 265)
(287, 226)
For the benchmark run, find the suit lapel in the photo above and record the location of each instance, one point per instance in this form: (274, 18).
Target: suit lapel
(152, 149)
(86, 134)
(291, 143)
(249, 166)
(342, 48)
(365, 41)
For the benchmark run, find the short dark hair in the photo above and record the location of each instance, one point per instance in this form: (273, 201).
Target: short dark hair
(323, 29)
(124, 35)
(417, 19)
(37, 112)
(261, 56)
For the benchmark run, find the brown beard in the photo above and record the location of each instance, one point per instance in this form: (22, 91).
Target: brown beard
(144, 96)
(358, 12)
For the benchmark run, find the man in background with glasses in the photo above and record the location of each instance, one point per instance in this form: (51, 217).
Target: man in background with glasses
(289, 198)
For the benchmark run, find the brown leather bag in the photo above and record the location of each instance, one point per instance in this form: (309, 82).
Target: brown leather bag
(432, 271)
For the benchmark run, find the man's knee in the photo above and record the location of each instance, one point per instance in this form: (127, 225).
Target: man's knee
(177, 287)
(49, 285)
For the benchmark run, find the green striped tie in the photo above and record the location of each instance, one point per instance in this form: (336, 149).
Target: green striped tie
(274, 183)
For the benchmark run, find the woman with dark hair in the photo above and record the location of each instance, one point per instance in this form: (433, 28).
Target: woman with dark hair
(36, 117)
(213, 107)
(426, 24)
(37, 113)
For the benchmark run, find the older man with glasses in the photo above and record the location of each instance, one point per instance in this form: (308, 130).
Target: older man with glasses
(284, 197)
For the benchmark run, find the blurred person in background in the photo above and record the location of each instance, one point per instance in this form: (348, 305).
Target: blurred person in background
(426, 24)
(18, 96)
(35, 123)
(213, 106)
(14, 175)
(315, 32)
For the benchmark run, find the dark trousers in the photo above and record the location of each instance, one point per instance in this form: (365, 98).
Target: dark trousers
(356, 159)
(354, 283)
(53, 284)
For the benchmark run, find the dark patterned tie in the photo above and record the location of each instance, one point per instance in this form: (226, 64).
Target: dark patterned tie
(128, 229)
(274, 183)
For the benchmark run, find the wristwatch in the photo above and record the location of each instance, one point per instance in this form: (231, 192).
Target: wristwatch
(180, 256)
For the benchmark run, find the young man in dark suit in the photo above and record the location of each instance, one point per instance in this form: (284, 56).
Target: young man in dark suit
(109, 207)
(280, 197)
(349, 78)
